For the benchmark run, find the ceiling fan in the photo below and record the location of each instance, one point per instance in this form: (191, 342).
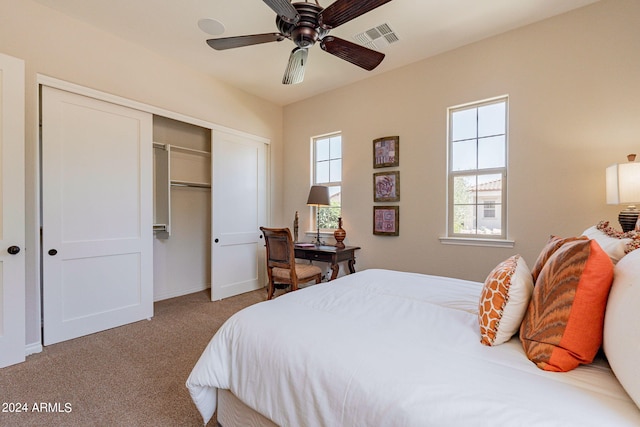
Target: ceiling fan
(307, 23)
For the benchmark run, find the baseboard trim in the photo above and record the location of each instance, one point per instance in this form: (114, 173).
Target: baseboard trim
(32, 348)
(180, 292)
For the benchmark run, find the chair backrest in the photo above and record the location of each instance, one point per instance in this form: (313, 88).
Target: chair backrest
(279, 243)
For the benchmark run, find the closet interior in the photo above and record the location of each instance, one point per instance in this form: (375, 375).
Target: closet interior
(182, 208)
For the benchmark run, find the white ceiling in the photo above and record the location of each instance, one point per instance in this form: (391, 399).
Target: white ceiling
(425, 28)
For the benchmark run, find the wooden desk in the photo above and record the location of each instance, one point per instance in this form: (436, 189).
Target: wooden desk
(329, 254)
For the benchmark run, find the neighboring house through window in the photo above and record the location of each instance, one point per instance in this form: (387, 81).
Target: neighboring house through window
(477, 169)
(327, 170)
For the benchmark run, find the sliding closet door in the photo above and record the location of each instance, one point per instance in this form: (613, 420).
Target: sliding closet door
(239, 209)
(12, 237)
(97, 215)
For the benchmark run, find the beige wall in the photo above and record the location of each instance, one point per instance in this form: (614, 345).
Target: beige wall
(574, 106)
(574, 89)
(57, 46)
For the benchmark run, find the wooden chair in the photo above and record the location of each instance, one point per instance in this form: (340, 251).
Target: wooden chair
(281, 261)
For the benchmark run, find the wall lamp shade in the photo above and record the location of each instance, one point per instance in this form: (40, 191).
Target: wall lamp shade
(623, 188)
(318, 196)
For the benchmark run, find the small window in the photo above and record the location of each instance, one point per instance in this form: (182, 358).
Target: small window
(477, 170)
(327, 170)
(489, 209)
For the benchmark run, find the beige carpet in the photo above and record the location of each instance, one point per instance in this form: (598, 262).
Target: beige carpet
(133, 375)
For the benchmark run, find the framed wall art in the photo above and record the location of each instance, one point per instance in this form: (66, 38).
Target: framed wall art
(386, 220)
(386, 152)
(386, 186)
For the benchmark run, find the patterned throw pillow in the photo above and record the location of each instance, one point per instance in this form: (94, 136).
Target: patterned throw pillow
(631, 238)
(552, 245)
(504, 300)
(614, 246)
(563, 325)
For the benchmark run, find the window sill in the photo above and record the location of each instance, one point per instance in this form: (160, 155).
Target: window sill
(466, 241)
(322, 233)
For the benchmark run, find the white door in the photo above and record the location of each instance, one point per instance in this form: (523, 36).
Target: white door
(97, 214)
(12, 237)
(239, 209)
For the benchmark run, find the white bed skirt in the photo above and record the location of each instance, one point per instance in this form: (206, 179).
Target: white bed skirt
(232, 412)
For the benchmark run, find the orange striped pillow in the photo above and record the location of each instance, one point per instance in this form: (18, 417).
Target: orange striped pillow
(563, 325)
(553, 244)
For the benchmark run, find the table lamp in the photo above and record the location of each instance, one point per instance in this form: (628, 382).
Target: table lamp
(318, 196)
(623, 188)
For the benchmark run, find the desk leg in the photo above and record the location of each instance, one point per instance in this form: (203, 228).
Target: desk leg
(334, 271)
(352, 264)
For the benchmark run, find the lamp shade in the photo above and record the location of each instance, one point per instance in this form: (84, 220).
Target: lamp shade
(623, 183)
(319, 195)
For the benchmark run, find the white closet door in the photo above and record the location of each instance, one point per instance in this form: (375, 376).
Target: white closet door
(239, 209)
(12, 237)
(97, 214)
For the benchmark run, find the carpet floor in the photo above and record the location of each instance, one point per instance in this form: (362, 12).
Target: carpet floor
(133, 375)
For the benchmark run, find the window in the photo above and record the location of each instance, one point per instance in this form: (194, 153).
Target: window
(327, 170)
(477, 170)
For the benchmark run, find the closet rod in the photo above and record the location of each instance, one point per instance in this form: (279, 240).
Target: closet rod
(190, 184)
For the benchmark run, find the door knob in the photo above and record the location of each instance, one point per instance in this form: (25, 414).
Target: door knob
(216, 240)
(52, 252)
(13, 250)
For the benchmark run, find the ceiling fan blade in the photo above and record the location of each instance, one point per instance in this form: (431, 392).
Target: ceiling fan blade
(284, 9)
(342, 11)
(359, 55)
(240, 41)
(295, 68)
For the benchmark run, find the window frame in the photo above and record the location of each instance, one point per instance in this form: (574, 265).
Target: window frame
(477, 238)
(330, 184)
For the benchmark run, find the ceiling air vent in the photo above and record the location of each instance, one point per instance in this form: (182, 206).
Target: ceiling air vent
(377, 37)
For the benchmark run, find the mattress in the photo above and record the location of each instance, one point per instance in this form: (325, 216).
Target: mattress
(383, 347)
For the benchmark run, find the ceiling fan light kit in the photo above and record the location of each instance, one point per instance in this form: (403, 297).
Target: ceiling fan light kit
(305, 24)
(295, 68)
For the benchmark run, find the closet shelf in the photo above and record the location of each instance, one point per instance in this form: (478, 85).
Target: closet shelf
(182, 149)
(190, 150)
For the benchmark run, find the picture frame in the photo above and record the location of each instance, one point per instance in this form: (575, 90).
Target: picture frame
(386, 220)
(386, 152)
(386, 186)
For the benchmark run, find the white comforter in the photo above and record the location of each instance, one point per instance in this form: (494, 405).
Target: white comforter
(386, 348)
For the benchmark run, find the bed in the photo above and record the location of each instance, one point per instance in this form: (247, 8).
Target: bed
(390, 348)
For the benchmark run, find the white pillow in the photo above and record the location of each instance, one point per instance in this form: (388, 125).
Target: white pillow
(621, 340)
(613, 246)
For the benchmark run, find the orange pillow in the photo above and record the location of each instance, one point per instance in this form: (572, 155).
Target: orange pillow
(552, 245)
(563, 325)
(504, 300)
